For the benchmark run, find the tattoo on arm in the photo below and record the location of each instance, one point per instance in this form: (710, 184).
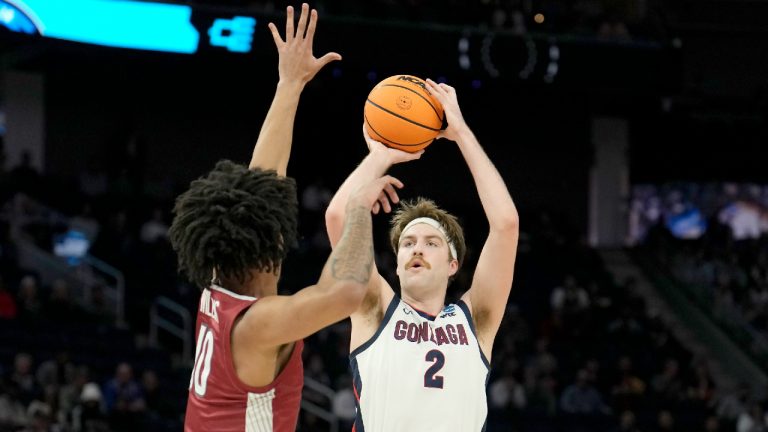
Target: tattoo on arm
(353, 256)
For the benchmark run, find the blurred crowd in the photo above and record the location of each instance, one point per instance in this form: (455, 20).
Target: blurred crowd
(577, 351)
(712, 238)
(687, 210)
(724, 268)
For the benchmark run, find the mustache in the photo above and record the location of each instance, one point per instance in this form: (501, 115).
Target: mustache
(424, 263)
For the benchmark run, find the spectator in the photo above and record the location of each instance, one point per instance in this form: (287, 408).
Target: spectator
(23, 378)
(123, 399)
(569, 298)
(13, 415)
(628, 391)
(626, 330)
(316, 197)
(506, 393)
(51, 402)
(155, 228)
(700, 387)
(156, 399)
(712, 424)
(752, 419)
(59, 307)
(115, 243)
(506, 398)
(24, 177)
(86, 223)
(29, 303)
(627, 422)
(516, 327)
(743, 218)
(9, 253)
(71, 391)
(613, 28)
(8, 309)
(668, 384)
(57, 371)
(665, 422)
(93, 180)
(315, 369)
(582, 398)
(541, 395)
(88, 415)
(344, 402)
(39, 415)
(730, 404)
(570, 302)
(543, 362)
(100, 310)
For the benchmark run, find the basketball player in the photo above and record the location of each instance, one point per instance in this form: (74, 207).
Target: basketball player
(417, 363)
(231, 231)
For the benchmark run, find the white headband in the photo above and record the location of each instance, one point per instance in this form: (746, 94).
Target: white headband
(434, 224)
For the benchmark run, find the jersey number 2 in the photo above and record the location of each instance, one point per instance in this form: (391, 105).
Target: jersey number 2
(431, 379)
(203, 354)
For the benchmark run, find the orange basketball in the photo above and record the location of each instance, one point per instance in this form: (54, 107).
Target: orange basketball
(402, 113)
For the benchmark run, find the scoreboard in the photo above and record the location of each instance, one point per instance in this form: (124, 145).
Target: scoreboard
(130, 24)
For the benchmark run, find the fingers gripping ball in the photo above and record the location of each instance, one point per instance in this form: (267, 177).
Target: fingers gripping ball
(401, 113)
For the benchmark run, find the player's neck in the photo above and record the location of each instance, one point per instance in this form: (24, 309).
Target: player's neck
(262, 284)
(431, 303)
(258, 284)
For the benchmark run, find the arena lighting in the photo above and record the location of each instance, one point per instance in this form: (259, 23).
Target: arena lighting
(126, 24)
(552, 66)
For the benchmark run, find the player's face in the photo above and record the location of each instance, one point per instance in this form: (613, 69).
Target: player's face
(424, 259)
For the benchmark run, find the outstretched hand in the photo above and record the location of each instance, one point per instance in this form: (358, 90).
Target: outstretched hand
(377, 194)
(297, 63)
(446, 95)
(393, 156)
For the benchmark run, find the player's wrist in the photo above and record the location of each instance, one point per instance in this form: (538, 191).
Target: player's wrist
(463, 135)
(291, 84)
(378, 162)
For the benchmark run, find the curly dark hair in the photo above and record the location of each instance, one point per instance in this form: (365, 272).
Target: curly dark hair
(234, 220)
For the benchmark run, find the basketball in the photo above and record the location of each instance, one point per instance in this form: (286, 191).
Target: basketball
(401, 113)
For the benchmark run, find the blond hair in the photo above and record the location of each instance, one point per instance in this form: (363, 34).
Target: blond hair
(422, 207)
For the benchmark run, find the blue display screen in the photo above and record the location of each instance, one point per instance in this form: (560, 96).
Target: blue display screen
(72, 245)
(15, 20)
(126, 24)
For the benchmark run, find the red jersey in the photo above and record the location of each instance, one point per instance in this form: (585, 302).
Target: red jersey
(218, 400)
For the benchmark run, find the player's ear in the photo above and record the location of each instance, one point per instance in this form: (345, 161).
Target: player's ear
(453, 267)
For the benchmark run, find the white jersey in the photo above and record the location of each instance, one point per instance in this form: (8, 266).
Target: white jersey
(421, 373)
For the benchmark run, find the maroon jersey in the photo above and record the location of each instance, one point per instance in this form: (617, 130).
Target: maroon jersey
(218, 400)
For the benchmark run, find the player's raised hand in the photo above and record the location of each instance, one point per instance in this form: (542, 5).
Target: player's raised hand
(393, 156)
(447, 97)
(377, 194)
(297, 63)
